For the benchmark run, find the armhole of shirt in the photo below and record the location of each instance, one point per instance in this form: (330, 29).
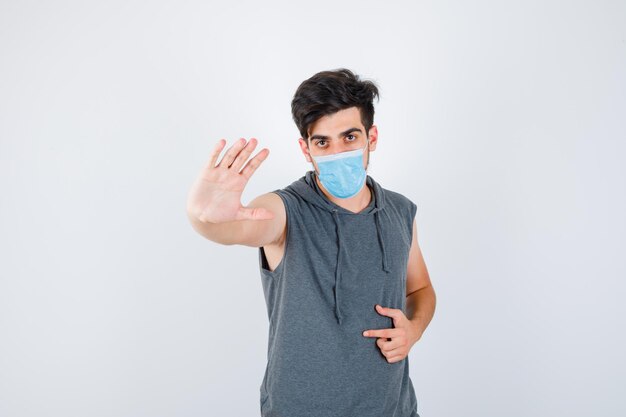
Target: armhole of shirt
(262, 258)
(412, 217)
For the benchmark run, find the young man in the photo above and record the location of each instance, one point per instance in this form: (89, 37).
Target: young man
(338, 256)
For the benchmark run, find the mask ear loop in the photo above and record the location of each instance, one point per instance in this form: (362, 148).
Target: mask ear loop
(367, 145)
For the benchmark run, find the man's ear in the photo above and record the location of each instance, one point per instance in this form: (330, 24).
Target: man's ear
(373, 135)
(305, 149)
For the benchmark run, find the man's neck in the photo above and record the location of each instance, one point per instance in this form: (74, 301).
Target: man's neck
(355, 203)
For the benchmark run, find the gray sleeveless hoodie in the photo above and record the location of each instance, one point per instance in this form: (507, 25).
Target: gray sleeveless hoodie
(337, 265)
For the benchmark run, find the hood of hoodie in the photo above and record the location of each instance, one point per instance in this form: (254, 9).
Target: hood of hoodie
(309, 190)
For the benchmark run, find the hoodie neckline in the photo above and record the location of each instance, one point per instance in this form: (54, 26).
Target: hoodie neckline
(308, 189)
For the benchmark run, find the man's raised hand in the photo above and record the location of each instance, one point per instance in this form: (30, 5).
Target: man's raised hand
(215, 196)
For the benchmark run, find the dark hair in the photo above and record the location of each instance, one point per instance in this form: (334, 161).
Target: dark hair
(328, 92)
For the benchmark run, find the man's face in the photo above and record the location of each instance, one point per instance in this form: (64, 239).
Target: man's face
(338, 132)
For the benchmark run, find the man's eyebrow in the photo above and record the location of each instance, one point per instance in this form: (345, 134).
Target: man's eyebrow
(344, 133)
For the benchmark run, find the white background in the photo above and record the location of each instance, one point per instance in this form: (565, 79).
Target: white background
(504, 121)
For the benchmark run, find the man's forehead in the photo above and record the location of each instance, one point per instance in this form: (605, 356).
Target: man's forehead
(337, 123)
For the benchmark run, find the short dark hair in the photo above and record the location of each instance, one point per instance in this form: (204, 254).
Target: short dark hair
(328, 92)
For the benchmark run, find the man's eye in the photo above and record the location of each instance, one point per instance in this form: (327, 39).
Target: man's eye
(351, 136)
(320, 141)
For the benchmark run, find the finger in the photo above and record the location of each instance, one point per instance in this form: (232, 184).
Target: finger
(215, 153)
(254, 163)
(380, 333)
(376, 333)
(244, 154)
(391, 345)
(254, 213)
(231, 153)
(390, 312)
(395, 352)
(395, 359)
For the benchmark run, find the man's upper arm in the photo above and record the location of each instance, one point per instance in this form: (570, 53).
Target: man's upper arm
(417, 274)
(257, 233)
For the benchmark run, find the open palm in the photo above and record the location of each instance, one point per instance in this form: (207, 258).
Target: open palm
(215, 196)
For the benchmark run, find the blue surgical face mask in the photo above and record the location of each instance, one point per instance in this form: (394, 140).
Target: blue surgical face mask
(342, 174)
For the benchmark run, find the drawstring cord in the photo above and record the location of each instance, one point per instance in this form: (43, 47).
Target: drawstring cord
(381, 241)
(338, 267)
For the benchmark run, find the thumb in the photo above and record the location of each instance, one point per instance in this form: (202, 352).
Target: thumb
(254, 213)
